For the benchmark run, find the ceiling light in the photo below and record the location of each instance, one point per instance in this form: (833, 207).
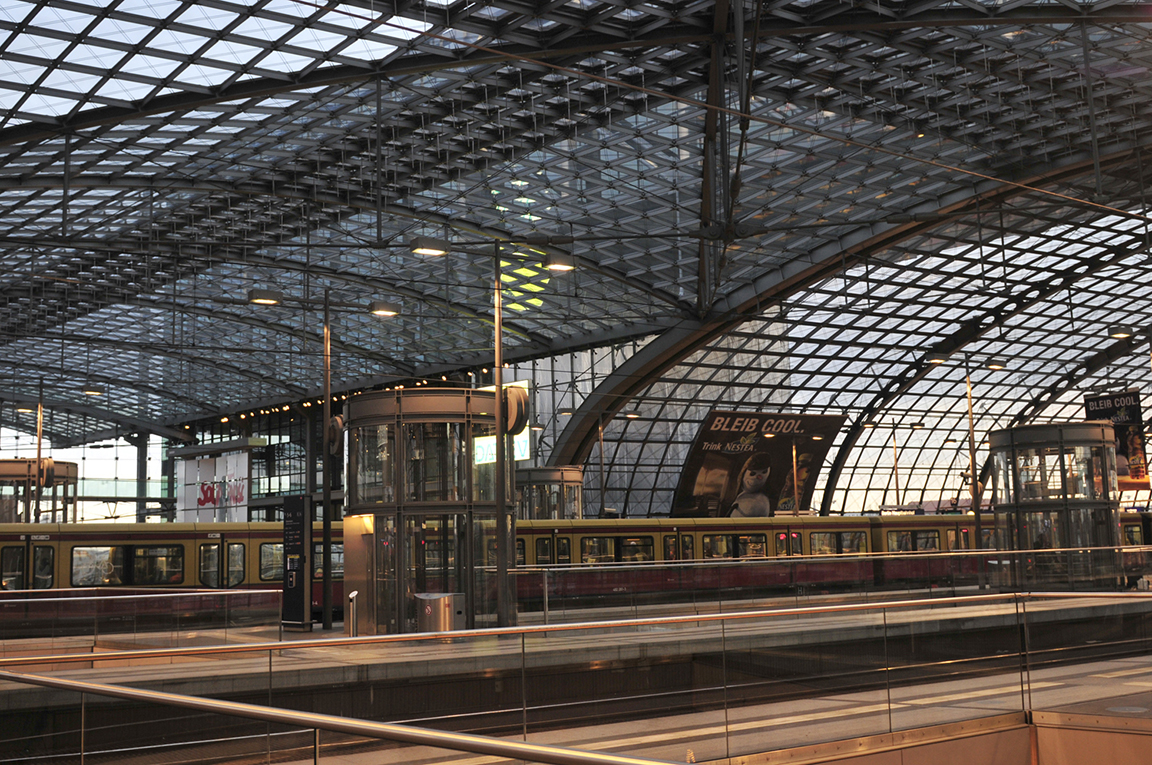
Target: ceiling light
(536, 425)
(91, 389)
(917, 425)
(868, 424)
(632, 414)
(817, 438)
(25, 410)
(936, 357)
(1120, 332)
(265, 297)
(559, 261)
(996, 363)
(428, 245)
(383, 308)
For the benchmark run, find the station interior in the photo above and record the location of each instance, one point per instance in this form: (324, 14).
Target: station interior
(274, 260)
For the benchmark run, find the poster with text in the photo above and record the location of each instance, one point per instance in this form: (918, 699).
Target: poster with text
(1123, 409)
(752, 464)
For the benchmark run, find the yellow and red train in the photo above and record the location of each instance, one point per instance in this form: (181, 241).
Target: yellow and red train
(250, 555)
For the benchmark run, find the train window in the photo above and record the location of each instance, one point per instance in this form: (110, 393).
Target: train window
(717, 546)
(913, 541)
(210, 565)
(337, 561)
(12, 568)
(563, 550)
(158, 565)
(752, 545)
(670, 551)
(272, 561)
(852, 542)
(637, 549)
(43, 567)
(98, 566)
(822, 543)
(687, 547)
(543, 551)
(597, 549)
(521, 555)
(1132, 535)
(236, 563)
(986, 539)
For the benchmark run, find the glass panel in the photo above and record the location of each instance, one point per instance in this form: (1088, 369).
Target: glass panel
(1133, 534)
(899, 541)
(853, 542)
(573, 501)
(563, 550)
(386, 568)
(483, 465)
(374, 456)
(210, 565)
(272, 561)
(717, 546)
(822, 543)
(520, 556)
(927, 540)
(236, 563)
(433, 468)
(637, 549)
(12, 568)
(670, 551)
(796, 539)
(158, 565)
(687, 547)
(752, 545)
(543, 551)
(318, 560)
(97, 566)
(43, 567)
(782, 543)
(1085, 479)
(1039, 471)
(597, 549)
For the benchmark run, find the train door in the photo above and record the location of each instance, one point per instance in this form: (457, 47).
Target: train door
(552, 549)
(221, 561)
(789, 542)
(678, 546)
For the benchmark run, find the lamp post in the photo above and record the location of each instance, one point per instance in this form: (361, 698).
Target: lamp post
(503, 522)
(377, 308)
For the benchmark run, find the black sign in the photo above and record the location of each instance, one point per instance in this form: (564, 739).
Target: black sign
(752, 464)
(297, 608)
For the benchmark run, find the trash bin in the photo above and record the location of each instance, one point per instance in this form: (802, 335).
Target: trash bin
(438, 611)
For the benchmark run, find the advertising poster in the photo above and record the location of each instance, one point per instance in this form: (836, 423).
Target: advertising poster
(753, 464)
(1123, 409)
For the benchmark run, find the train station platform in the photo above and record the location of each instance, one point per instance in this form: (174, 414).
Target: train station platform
(1009, 677)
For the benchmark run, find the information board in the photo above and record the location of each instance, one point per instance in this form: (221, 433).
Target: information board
(296, 612)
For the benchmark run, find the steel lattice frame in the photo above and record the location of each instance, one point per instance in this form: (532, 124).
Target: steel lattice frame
(776, 206)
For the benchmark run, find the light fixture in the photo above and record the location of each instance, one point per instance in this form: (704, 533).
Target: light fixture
(632, 414)
(936, 357)
(996, 363)
(536, 425)
(769, 435)
(817, 438)
(91, 389)
(565, 412)
(25, 410)
(950, 442)
(868, 424)
(917, 426)
(383, 308)
(428, 245)
(1120, 332)
(559, 261)
(265, 297)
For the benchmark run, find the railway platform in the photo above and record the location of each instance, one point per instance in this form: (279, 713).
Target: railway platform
(726, 687)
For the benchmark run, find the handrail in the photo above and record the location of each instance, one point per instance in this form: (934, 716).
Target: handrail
(153, 653)
(463, 742)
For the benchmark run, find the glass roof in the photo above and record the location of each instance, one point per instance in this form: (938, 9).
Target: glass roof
(779, 206)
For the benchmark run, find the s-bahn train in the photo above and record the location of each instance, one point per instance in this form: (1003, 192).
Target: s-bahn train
(251, 555)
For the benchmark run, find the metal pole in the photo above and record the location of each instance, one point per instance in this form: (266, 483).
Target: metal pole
(973, 479)
(600, 442)
(795, 482)
(503, 588)
(325, 472)
(39, 443)
(896, 467)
